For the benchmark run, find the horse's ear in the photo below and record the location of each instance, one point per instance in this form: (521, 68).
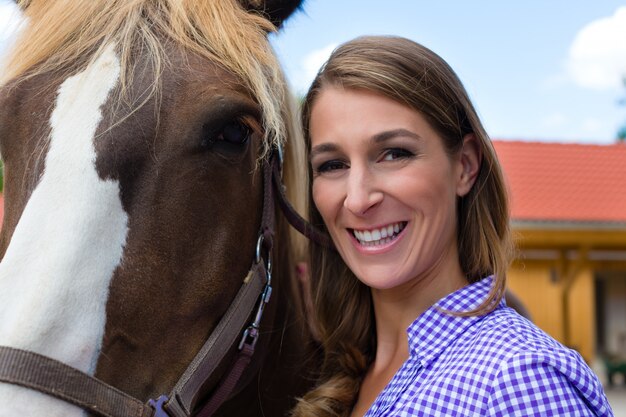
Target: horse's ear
(23, 4)
(277, 11)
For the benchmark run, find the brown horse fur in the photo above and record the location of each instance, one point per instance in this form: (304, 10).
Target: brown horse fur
(193, 224)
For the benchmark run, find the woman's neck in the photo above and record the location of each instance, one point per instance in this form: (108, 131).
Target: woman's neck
(395, 309)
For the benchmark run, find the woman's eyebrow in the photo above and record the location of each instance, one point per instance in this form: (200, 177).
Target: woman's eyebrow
(377, 138)
(390, 134)
(323, 148)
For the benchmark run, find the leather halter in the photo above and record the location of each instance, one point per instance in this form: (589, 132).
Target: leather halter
(234, 331)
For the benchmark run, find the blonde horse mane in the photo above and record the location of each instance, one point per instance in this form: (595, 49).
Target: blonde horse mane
(65, 35)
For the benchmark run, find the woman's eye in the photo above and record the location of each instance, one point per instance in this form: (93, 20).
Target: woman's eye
(330, 166)
(396, 153)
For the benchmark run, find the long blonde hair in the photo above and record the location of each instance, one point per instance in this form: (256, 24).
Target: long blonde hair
(418, 78)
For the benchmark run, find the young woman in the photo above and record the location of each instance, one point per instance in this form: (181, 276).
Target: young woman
(410, 302)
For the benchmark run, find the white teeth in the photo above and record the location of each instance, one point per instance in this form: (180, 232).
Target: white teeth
(378, 236)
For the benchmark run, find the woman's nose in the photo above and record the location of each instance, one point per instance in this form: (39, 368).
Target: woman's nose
(362, 191)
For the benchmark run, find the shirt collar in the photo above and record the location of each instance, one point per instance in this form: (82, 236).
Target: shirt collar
(435, 329)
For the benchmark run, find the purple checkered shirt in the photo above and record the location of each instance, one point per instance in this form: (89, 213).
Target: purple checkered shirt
(497, 364)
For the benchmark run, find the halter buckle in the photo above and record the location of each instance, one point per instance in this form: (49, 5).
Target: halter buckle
(250, 337)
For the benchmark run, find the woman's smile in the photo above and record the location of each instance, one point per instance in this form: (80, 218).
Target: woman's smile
(378, 239)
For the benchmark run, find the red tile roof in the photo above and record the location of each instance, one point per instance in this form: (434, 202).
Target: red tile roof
(565, 182)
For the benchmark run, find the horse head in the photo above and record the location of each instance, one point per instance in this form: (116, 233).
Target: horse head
(132, 135)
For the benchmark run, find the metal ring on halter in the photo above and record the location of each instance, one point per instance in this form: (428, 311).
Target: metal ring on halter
(268, 265)
(259, 243)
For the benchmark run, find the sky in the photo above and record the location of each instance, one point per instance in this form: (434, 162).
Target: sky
(540, 70)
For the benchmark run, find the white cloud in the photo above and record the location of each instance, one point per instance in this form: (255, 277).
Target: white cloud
(310, 65)
(597, 57)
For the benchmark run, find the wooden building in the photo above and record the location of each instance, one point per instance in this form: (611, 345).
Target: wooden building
(568, 209)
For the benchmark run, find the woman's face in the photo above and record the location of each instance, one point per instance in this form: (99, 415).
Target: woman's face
(385, 187)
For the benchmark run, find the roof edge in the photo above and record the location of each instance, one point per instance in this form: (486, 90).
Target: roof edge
(569, 225)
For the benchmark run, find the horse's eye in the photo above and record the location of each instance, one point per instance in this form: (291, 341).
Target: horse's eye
(236, 133)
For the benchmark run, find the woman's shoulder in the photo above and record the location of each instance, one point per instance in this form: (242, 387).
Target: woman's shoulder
(517, 332)
(501, 364)
(510, 338)
(526, 365)
(483, 346)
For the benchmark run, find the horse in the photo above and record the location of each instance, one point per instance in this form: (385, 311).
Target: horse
(133, 134)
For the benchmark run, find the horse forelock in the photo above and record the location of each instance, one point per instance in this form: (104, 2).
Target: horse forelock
(64, 37)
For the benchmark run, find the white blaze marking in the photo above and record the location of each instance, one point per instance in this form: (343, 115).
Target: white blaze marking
(55, 275)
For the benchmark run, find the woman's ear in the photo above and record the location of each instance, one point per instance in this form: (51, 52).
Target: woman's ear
(470, 161)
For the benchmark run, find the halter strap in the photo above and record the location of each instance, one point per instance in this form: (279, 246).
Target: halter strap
(295, 219)
(47, 375)
(41, 373)
(185, 395)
